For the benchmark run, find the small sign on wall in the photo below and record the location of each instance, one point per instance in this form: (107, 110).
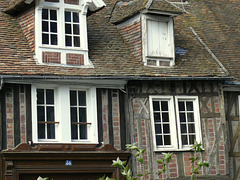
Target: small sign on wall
(68, 163)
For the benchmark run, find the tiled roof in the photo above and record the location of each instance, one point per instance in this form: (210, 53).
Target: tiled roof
(111, 56)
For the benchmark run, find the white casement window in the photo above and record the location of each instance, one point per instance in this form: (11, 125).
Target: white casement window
(175, 122)
(158, 40)
(64, 114)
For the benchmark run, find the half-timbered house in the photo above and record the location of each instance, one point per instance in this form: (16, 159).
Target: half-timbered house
(80, 79)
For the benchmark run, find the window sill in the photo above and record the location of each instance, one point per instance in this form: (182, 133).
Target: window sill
(66, 65)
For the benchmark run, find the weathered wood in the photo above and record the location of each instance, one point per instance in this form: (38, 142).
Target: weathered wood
(28, 113)
(110, 120)
(3, 116)
(99, 115)
(16, 115)
(122, 119)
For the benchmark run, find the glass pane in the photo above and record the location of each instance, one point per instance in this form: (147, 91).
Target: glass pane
(181, 106)
(76, 29)
(183, 128)
(75, 17)
(83, 131)
(189, 106)
(156, 106)
(67, 16)
(158, 129)
(164, 105)
(45, 39)
(41, 131)
(53, 26)
(68, 29)
(50, 114)
(165, 117)
(73, 98)
(182, 117)
(191, 128)
(191, 139)
(50, 96)
(82, 115)
(40, 113)
(51, 131)
(167, 140)
(159, 140)
(184, 140)
(82, 98)
(68, 40)
(157, 117)
(76, 41)
(44, 13)
(190, 117)
(40, 96)
(54, 39)
(166, 128)
(44, 26)
(74, 131)
(53, 14)
(73, 114)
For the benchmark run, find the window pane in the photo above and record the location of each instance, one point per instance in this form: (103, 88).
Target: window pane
(190, 117)
(164, 105)
(76, 29)
(165, 117)
(157, 117)
(191, 139)
(45, 39)
(159, 141)
(73, 114)
(83, 131)
(82, 98)
(54, 39)
(75, 17)
(184, 140)
(68, 40)
(182, 117)
(156, 106)
(183, 128)
(50, 114)
(51, 131)
(44, 26)
(189, 106)
(67, 16)
(166, 128)
(73, 98)
(53, 26)
(191, 128)
(76, 41)
(44, 13)
(50, 96)
(167, 140)
(158, 129)
(74, 131)
(41, 131)
(68, 29)
(53, 14)
(40, 114)
(82, 115)
(181, 106)
(40, 96)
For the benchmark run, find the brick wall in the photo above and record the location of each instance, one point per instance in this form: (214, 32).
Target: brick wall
(26, 21)
(74, 59)
(131, 33)
(9, 117)
(214, 140)
(51, 57)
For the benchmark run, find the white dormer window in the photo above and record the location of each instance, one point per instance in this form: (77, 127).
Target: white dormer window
(61, 31)
(158, 41)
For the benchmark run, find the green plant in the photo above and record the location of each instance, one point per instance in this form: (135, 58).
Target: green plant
(40, 178)
(197, 165)
(164, 161)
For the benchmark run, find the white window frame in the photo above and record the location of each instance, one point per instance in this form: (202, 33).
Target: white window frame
(175, 130)
(169, 20)
(62, 114)
(61, 7)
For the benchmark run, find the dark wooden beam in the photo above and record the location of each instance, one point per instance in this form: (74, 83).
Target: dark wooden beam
(28, 113)
(122, 119)
(16, 116)
(99, 115)
(110, 120)
(3, 118)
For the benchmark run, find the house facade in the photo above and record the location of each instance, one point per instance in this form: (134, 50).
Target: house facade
(81, 79)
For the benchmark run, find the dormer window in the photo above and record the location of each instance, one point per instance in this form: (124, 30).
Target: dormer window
(158, 41)
(61, 31)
